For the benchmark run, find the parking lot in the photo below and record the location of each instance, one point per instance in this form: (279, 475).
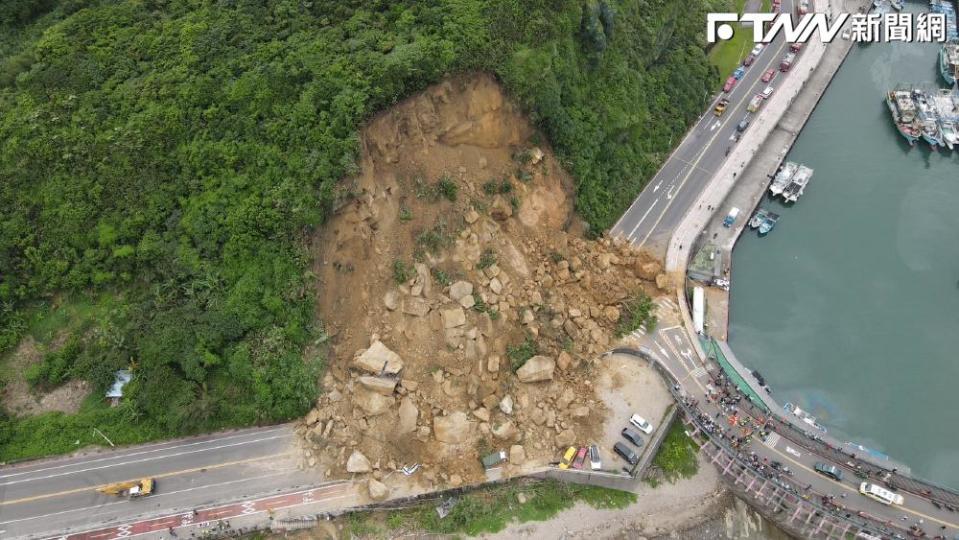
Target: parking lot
(628, 385)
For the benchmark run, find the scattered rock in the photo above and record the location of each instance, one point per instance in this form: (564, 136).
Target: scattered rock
(506, 431)
(506, 404)
(390, 300)
(378, 359)
(580, 412)
(416, 307)
(612, 314)
(453, 317)
(521, 498)
(312, 417)
(452, 429)
(537, 368)
(372, 403)
(482, 413)
(408, 413)
(564, 360)
(566, 438)
(496, 285)
(648, 271)
(460, 289)
(471, 216)
(380, 385)
(500, 209)
(492, 364)
(517, 454)
(467, 301)
(377, 490)
(358, 463)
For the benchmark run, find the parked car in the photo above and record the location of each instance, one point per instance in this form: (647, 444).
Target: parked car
(721, 107)
(748, 61)
(625, 453)
(787, 62)
(632, 437)
(757, 49)
(730, 83)
(641, 423)
(580, 458)
(795, 47)
(828, 470)
(740, 71)
(768, 91)
(568, 457)
(595, 463)
(768, 75)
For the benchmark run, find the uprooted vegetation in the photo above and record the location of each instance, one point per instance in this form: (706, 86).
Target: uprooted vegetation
(482, 339)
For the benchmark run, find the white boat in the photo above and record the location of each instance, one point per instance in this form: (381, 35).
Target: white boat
(798, 184)
(783, 177)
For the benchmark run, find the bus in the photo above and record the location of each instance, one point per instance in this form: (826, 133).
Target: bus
(880, 494)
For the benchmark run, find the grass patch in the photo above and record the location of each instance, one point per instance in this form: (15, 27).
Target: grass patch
(519, 354)
(676, 457)
(638, 310)
(444, 188)
(487, 259)
(492, 509)
(402, 272)
(436, 239)
(727, 55)
(441, 277)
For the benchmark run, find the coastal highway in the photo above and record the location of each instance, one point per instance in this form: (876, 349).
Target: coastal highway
(57, 496)
(654, 214)
(672, 349)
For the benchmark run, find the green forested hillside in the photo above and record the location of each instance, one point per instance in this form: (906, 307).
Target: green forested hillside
(164, 160)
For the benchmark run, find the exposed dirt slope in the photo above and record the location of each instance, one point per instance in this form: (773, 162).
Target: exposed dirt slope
(454, 249)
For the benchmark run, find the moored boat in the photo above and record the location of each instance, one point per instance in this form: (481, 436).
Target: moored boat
(783, 177)
(949, 62)
(798, 184)
(903, 111)
(758, 218)
(768, 224)
(949, 134)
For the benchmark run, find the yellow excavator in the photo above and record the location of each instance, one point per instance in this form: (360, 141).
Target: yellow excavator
(130, 488)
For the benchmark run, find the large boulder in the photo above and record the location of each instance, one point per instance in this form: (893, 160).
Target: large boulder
(377, 490)
(453, 317)
(460, 289)
(452, 429)
(378, 358)
(408, 415)
(358, 463)
(506, 431)
(380, 385)
(372, 403)
(517, 455)
(537, 368)
(565, 438)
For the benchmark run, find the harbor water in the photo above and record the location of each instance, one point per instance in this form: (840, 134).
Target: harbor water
(850, 308)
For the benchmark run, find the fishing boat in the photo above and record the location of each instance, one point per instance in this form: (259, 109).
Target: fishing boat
(896, 4)
(768, 223)
(798, 184)
(949, 135)
(949, 62)
(903, 111)
(758, 218)
(928, 118)
(783, 177)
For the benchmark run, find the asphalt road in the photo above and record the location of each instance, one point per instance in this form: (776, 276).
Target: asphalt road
(671, 347)
(651, 219)
(59, 495)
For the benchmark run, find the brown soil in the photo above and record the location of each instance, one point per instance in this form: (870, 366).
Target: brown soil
(17, 396)
(546, 283)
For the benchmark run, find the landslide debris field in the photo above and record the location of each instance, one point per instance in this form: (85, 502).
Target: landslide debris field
(465, 310)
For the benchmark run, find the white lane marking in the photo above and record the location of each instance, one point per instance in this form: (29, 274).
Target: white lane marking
(153, 458)
(793, 451)
(657, 186)
(716, 125)
(142, 452)
(698, 372)
(249, 507)
(640, 222)
(671, 192)
(677, 340)
(152, 497)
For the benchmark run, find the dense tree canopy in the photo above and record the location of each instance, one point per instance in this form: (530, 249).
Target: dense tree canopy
(174, 154)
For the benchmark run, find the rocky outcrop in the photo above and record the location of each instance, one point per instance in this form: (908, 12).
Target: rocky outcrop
(377, 490)
(358, 463)
(408, 414)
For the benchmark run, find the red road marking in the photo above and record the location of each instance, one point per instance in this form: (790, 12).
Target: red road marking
(209, 515)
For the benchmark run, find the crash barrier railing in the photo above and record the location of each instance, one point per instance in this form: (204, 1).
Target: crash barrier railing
(938, 495)
(865, 524)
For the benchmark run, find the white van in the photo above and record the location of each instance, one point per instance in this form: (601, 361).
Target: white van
(882, 495)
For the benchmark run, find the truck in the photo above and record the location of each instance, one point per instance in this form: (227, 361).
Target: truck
(731, 217)
(721, 107)
(755, 103)
(130, 488)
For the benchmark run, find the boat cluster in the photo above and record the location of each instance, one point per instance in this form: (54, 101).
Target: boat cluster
(945, 7)
(790, 181)
(932, 114)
